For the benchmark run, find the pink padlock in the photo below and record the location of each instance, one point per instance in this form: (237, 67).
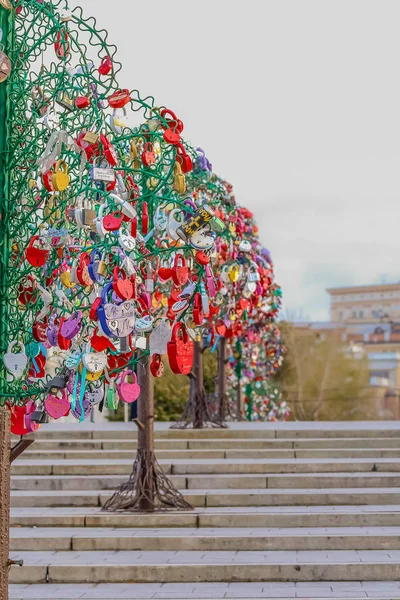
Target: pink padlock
(210, 282)
(57, 406)
(30, 425)
(128, 392)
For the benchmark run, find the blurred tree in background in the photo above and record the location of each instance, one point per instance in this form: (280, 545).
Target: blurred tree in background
(322, 379)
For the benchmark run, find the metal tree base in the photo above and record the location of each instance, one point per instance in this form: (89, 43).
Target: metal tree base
(147, 490)
(198, 414)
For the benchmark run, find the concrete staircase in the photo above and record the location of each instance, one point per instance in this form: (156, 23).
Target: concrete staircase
(279, 509)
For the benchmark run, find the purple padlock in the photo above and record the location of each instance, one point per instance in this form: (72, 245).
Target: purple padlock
(72, 326)
(87, 409)
(52, 334)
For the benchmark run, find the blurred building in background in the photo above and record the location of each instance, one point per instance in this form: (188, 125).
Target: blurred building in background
(367, 320)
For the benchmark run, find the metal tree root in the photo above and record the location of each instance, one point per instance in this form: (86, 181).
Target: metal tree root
(147, 490)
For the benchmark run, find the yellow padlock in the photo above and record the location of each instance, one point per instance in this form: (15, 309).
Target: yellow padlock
(65, 278)
(152, 183)
(50, 211)
(179, 179)
(90, 376)
(233, 273)
(134, 155)
(60, 178)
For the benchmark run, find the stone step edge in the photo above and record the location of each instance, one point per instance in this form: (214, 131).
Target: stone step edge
(214, 572)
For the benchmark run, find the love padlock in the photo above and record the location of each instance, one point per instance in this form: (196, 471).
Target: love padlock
(180, 272)
(156, 365)
(63, 343)
(148, 155)
(35, 256)
(39, 329)
(197, 310)
(60, 177)
(106, 65)
(179, 179)
(180, 350)
(72, 326)
(15, 362)
(128, 392)
(122, 286)
(57, 406)
(113, 221)
(183, 158)
(82, 270)
(95, 362)
(116, 320)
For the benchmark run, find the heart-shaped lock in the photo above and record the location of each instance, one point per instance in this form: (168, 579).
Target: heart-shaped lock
(100, 342)
(159, 338)
(117, 362)
(37, 369)
(112, 222)
(15, 363)
(95, 362)
(63, 343)
(27, 291)
(156, 365)
(202, 258)
(197, 310)
(82, 270)
(65, 278)
(72, 326)
(57, 406)
(39, 329)
(36, 256)
(184, 159)
(60, 177)
(94, 392)
(106, 65)
(128, 392)
(18, 414)
(52, 331)
(116, 320)
(180, 272)
(80, 414)
(148, 155)
(180, 350)
(144, 324)
(123, 287)
(220, 327)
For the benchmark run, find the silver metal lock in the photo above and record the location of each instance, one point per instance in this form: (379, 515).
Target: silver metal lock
(253, 274)
(102, 173)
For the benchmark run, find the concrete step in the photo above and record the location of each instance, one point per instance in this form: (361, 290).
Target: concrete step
(186, 454)
(217, 443)
(222, 497)
(260, 516)
(206, 466)
(204, 482)
(193, 539)
(335, 590)
(186, 566)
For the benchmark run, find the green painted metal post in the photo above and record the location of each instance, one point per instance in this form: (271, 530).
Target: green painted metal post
(6, 26)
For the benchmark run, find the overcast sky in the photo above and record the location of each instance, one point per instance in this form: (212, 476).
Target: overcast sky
(297, 103)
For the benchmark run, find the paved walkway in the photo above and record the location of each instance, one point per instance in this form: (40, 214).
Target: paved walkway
(188, 591)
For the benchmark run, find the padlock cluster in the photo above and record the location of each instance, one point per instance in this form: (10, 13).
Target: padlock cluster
(126, 246)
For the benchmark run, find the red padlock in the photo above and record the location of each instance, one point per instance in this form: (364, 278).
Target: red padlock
(119, 99)
(63, 343)
(92, 149)
(180, 350)
(109, 151)
(113, 221)
(93, 310)
(61, 45)
(220, 327)
(180, 272)
(47, 181)
(198, 310)
(106, 66)
(36, 257)
(100, 343)
(39, 330)
(148, 155)
(122, 287)
(82, 271)
(156, 365)
(183, 158)
(145, 218)
(82, 102)
(27, 291)
(164, 273)
(202, 258)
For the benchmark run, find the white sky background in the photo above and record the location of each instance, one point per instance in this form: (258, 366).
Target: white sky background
(297, 103)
